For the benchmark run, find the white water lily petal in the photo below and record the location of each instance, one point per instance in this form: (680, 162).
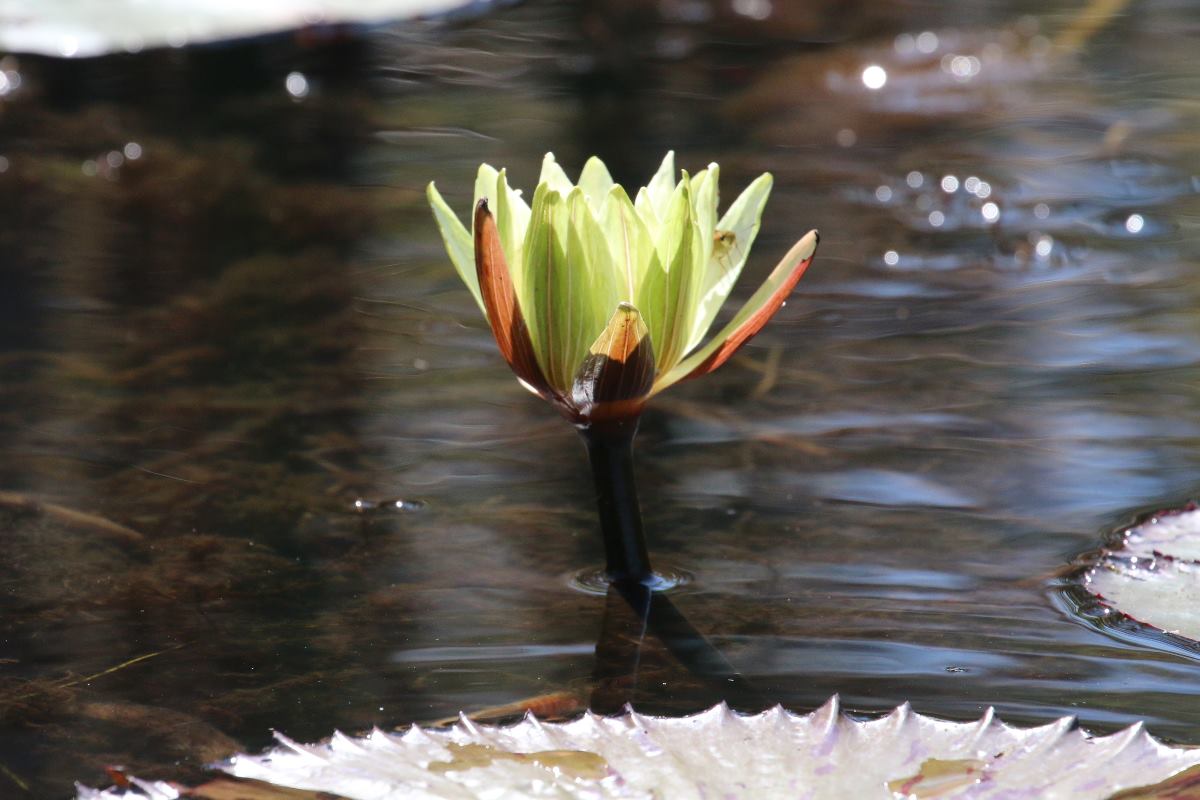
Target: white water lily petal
(823, 755)
(733, 237)
(1155, 576)
(458, 243)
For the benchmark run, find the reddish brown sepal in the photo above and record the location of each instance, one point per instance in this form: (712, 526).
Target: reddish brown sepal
(755, 322)
(618, 374)
(500, 300)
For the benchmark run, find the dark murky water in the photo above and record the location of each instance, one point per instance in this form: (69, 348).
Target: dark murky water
(213, 349)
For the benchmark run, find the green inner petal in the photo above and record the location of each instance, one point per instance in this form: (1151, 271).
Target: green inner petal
(459, 244)
(630, 243)
(553, 175)
(512, 222)
(665, 295)
(598, 285)
(596, 183)
(485, 186)
(731, 241)
(662, 185)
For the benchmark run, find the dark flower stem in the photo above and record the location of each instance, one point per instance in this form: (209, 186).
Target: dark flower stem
(610, 450)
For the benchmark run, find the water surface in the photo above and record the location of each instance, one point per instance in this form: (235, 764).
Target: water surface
(226, 319)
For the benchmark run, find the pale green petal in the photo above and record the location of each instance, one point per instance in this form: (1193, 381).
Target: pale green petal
(645, 209)
(733, 236)
(555, 300)
(458, 243)
(666, 293)
(485, 186)
(599, 286)
(787, 271)
(662, 185)
(630, 242)
(512, 222)
(704, 206)
(553, 175)
(595, 182)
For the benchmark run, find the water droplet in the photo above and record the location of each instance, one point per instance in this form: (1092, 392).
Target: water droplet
(1041, 211)
(364, 505)
(846, 137)
(949, 184)
(927, 42)
(914, 179)
(883, 193)
(1044, 246)
(990, 211)
(1134, 223)
(874, 77)
(904, 44)
(891, 258)
(936, 218)
(133, 151)
(296, 85)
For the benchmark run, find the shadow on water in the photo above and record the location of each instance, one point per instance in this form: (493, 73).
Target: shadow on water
(261, 467)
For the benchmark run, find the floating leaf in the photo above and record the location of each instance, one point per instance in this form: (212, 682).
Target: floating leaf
(1154, 575)
(718, 753)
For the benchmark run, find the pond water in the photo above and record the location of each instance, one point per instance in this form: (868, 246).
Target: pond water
(262, 467)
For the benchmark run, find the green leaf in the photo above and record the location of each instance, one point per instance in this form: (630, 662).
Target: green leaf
(596, 183)
(459, 244)
(750, 319)
(730, 242)
(554, 177)
(630, 243)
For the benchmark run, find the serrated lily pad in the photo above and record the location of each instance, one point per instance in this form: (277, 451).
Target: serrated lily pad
(716, 753)
(78, 28)
(1154, 575)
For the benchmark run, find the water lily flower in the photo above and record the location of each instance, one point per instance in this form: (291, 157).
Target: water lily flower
(598, 302)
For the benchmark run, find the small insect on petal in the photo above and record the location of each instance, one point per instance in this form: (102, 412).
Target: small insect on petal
(500, 301)
(618, 373)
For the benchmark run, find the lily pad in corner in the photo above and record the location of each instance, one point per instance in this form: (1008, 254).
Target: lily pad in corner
(717, 753)
(1153, 574)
